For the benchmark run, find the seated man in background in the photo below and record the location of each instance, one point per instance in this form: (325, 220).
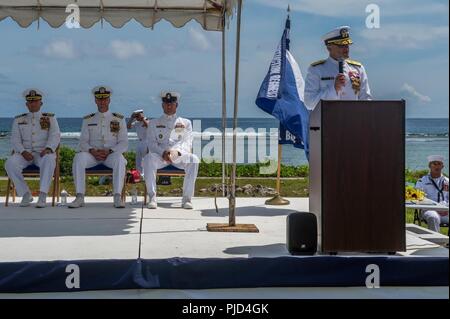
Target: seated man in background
(140, 122)
(103, 140)
(169, 142)
(34, 139)
(435, 187)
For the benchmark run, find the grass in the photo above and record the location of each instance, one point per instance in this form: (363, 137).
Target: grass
(289, 187)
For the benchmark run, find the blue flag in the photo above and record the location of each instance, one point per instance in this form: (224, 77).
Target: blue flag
(281, 95)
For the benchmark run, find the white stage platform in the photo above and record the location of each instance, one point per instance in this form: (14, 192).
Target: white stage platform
(99, 231)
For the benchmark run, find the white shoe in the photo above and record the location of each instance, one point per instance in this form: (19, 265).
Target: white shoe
(152, 202)
(118, 203)
(187, 204)
(152, 205)
(78, 202)
(42, 201)
(27, 199)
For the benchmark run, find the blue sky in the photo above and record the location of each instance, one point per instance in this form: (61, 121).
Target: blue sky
(406, 58)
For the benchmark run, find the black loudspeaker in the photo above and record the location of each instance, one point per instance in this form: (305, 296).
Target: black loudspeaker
(301, 233)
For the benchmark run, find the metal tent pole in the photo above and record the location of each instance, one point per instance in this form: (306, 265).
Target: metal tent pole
(224, 105)
(232, 209)
(232, 226)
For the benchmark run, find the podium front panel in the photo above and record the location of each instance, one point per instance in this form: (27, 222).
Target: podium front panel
(357, 166)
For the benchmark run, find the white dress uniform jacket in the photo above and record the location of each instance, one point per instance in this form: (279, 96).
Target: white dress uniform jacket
(102, 131)
(319, 83)
(141, 149)
(33, 132)
(170, 133)
(435, 189)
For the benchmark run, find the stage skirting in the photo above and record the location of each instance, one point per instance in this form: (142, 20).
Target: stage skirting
(189, 273)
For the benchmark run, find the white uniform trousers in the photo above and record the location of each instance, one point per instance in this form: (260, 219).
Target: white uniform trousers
(188, 162)
(141, 151)
(84, 160)
(434, 220)
(16, 163)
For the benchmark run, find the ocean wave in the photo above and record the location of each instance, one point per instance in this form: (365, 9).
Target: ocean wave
(133, 135)
(427, 135)
(424, 137)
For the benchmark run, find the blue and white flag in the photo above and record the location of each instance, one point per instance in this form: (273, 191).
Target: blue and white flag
(281, 94)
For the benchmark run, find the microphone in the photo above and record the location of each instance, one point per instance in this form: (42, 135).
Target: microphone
(341, 66)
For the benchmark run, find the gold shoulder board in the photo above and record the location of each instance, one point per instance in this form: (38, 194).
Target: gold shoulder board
(89, 116)
(21, 115)
(352, 62)
(120, 116)
(318, 62)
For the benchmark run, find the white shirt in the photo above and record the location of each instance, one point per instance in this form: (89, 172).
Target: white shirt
(34, 132)
(169, 132)
(104, 131)
(319, 83)
(141, 130)
(426, 184)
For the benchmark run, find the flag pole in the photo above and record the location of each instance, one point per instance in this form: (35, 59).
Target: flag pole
(277, 199)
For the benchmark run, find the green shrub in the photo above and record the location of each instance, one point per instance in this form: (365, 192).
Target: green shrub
(2, 167)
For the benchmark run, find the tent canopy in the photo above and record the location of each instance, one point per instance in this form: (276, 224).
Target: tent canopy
(209, 13)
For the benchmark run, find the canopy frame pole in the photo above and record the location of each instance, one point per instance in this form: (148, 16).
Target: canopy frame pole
(224, 105)
(232, 200)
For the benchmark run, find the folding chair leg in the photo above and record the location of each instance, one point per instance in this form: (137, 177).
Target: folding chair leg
(54, 190)
(14, 193)
(124, 188)
(8, 190)
(145, 194)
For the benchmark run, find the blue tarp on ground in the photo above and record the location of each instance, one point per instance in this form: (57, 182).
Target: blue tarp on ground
(187, 273)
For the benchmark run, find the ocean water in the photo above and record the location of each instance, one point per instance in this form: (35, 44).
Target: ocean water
(423, 137)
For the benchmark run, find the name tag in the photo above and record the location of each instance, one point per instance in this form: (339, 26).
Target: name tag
(160, 126)
(23, 123)
(327, 78)
(92, 124)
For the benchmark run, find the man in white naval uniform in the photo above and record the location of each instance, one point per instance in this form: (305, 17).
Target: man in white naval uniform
(34, 138)
(140, 122)
(103, 140)
(169, 141)
(435, 187)
(325, 82)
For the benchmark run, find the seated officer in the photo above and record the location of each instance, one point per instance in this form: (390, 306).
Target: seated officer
(169, 142)
(103, 140)
(34, 138)
(435, 186)
(140, 122)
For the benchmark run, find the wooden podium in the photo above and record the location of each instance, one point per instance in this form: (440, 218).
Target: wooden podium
(357, 175)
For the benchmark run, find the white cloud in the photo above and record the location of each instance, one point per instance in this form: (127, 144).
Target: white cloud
(413, 92)
(199, 40)
(355, 8)
(405, 36)
(127, 49)
(61, 49)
